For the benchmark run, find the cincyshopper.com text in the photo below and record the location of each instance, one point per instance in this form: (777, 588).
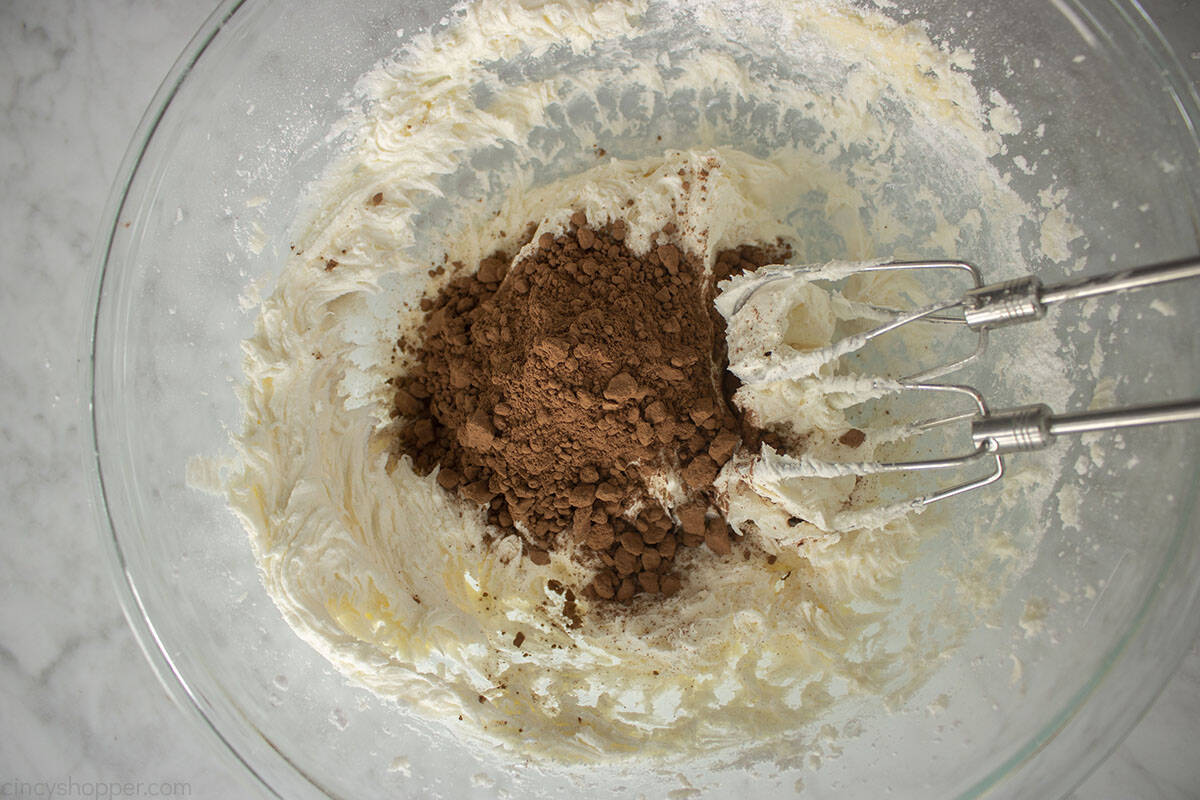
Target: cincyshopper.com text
(77, 788)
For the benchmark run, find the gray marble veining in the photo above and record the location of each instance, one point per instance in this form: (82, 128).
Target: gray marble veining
(78, 700)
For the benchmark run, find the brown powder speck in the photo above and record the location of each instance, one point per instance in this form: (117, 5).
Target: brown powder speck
(377, 198)
(852, 438)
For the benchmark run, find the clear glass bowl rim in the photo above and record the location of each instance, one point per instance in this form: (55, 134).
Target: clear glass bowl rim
(1174, 79)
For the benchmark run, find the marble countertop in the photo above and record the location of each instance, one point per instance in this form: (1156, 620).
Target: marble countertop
(79, 701)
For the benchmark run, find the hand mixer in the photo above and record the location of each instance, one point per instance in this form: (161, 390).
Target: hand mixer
(981, 309)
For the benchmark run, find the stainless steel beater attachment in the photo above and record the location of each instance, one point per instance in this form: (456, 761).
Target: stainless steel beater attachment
(1020, 429)
(980, 309)
(996, 305)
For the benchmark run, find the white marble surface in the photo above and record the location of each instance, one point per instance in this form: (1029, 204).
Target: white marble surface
(77, 700)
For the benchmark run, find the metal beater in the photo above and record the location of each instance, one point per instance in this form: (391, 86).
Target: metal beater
(981, 309)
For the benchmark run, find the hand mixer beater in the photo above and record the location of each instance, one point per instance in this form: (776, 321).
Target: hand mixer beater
(984, 307)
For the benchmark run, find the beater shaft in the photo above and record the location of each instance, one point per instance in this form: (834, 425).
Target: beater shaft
(1024, 299)
(1035, 426)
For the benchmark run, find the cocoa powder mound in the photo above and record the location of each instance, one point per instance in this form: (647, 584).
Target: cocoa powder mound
(553, 389)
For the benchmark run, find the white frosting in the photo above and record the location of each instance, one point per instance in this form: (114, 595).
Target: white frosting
(760, 309)
(385, 574)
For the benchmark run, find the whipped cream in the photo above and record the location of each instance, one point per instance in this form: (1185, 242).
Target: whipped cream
(741, 125)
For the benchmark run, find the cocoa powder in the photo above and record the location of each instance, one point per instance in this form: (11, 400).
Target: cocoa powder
(552, 390)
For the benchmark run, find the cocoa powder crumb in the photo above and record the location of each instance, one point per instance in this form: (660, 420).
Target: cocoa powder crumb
(723, 446)
(625, 562)
(621, 388)
(549, 390)
(669, 257)
(700, 472)
(476, 432)
(448, 479)
(716, 536)
(691, 518)
(666, 548)
(605, 584)
(853, 437)
(632, 542)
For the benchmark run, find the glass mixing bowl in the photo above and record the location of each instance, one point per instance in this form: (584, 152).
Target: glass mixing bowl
(201, 209)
